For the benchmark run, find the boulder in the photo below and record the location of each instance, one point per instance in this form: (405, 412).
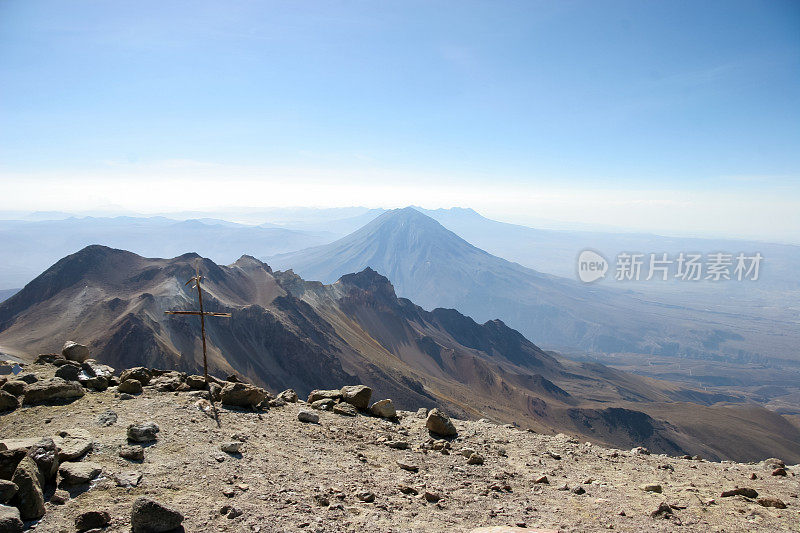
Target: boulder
(241, 395)
(92, 520)
(325, 404)
(15, 387)
(8, 402)
(45, 454)
(440, 424)
(145, 432)
(30, 494)
(73, 444)
(289, 396)
(383, 409)
(7, 491)
(150, 516)
(139, 373)
(317, 395)
(69, 371)
(75, 352)
(96, 383)
(128, 479)
(9, 459)
(132, 453)
(168, 382)
(10, 521)
(356, 395)
(308, 416)
(345, 409)
(130, 386)
(196, 382)
(53, 389)
(79, 473)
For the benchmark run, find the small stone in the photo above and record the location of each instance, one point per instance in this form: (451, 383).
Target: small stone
(554, 455)
(107, 418)
(406, 465)
(130, 386)
(356, 395)
(366, 496)
(73, 351)
(196, 382)
(232, 447)
(651, 487)
(325, 404)
(345, 409)
(79, 473)
(746, 492)
(92, 520)
(542, 479)
(771, 502)
(663, 511)
(579, 490)
(779, 472)
(69, 371)
(150, 516)
(73, 444)
(640, 450)
(10, 520)
(397, 444)
(308, 416)
(8, 402)
(276, 402)
(475, 459)
(132, 453)
(384, 409)
(289, 396)
(7, 490)
(59, 497)
(128, 479)
(431, 497)
(145, 432)
(753, 476)
(440, 424)
(422, 413)
(405, 489)
(317, 395)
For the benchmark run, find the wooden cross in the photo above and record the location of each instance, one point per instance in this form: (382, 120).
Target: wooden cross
(203, 314)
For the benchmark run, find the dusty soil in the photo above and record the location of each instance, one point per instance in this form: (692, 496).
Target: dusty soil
(295, 476)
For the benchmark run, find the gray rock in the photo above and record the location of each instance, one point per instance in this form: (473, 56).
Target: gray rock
(92, 520)
(241, 395)
(132, 453)
(168, 382)
(276, 402)
(45, 454)
(130, 386)
(325, 404)
(345, 409)
(356, 395)
(10, 521)
(7, 490)
(651, 487)
(741, 491)
(196, 382)
(231, 447)
(475, 459)
(59, 497)
(772, 502)
(422, 413)
(48, 390)
(79, 473)
(308, 416)
(73, 444)
(407, 465)
(96, 383)
(150, 516)
(317, 395)
(107, 418)
(8, 402)
(128, 479)
(145, 432)
(289, 396)
(139, 373)
(73, 351)
(383, 409)
(440, 424)
(30, 495)
(9, 459)
(14, 387)
(28, 378)
(69, 371)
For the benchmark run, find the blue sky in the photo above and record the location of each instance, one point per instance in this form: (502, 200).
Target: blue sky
(666, 116)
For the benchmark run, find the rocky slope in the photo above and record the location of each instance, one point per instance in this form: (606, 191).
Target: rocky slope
(166, 456)
(289, 333)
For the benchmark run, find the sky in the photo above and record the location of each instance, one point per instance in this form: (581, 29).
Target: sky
(675, 117)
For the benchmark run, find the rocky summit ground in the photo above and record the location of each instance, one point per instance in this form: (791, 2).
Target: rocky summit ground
(264, 470)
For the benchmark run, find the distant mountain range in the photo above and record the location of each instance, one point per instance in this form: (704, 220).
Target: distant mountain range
(287, 332)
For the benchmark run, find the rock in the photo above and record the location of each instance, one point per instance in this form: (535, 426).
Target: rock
(169, 382)
(383, 409)
(324, 395)
(475, 459)
(542, 479)
(9, 459)
(14, 387)
(440, 424)
(128, 479)
(345, 409)
(325, 404)
(422, 413)
(241, 395)
(132, 453)
(231, 447)
(45, 454)
(431, 497)
(143, 432)
(92, 520)
(150, 516)
(663, 511)
(652, 487)
(79, 473)
(59, 497)
(771, 502)
(8, 402)
(28, 378)
(7, 490)
(398, 444)
(107, 418)
(30, 495)
(366, 496)
(95, 383)
(578, 490)
(407, 465)
(48, 390)
(196, 382)
(289, 396)
(130, 386)
(640, 450)
(554, 455)
(10, 521)
(308, 416)
(466, 452)
(356, 395)
(73, 444)
(69, 371)
(73, 351)
(746, 492)
(405, 489)
(139, 373)
(510, 529)
(779, 472)
(276, 402)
